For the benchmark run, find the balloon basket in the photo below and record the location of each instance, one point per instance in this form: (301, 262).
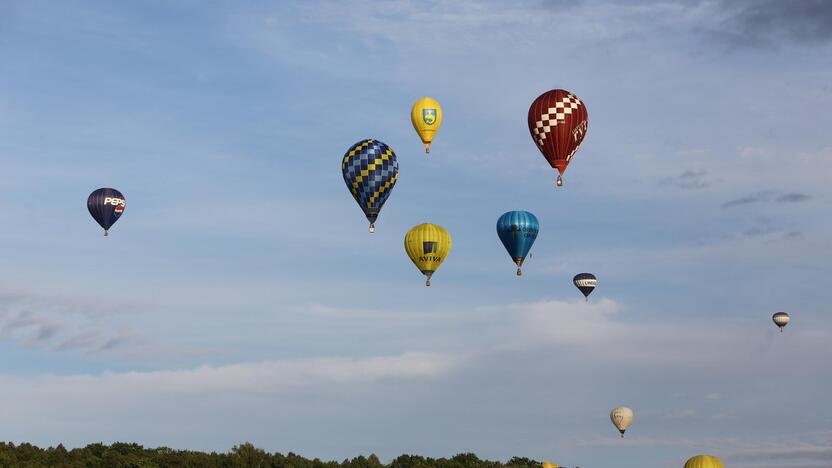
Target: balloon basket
(428, 275)
(560, 181)
(519, 272)
(372, 228)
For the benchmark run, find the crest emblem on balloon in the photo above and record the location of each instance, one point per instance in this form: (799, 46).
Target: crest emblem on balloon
(429, 116)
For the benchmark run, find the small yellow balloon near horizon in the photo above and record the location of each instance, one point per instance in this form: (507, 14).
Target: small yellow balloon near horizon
(704, 461)
(549, 465)
(426, 117)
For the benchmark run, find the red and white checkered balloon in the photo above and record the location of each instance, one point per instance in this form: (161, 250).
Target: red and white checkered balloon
(558, 122)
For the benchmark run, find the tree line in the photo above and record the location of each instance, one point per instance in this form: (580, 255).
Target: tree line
(126, 455)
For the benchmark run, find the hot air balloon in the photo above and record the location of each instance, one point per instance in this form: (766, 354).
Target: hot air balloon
(586, 282)
(427, 245)
(517, 231)
(704, 461)
(426, 116)
(549, 465)
(558, 122)
(106, 206)
(781, 319)
(370, 171)
(621, 418)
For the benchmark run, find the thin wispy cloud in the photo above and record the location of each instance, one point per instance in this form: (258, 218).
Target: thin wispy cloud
(792, 197)
(689, 179)
(768, 197)
(766, 23)
(62, 324)
(751, 199)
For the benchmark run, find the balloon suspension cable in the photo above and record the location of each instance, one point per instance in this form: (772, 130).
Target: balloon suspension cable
(519, 272)
(105, 233)
(372, 228)
(560, 181)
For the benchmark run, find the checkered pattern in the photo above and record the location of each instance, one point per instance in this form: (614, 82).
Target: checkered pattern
(370, 171)
(554, 116)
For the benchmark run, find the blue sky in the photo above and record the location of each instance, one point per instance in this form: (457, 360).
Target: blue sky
(240, 298)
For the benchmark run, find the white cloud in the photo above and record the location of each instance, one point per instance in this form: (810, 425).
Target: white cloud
(249, 377)
(213, 407)
(603, 331)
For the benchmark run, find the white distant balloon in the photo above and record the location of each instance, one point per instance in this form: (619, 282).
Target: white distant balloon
(781, 319)
(621, 418)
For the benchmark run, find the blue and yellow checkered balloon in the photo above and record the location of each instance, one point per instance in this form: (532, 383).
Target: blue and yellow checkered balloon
(370, 171)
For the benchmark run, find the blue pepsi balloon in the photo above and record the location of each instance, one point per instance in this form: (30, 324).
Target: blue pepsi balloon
(106, 206)
(370, 171)
(517, 231)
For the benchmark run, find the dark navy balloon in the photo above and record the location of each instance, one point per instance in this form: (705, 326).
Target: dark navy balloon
(106, 205)
(517, 231)
(586, 282)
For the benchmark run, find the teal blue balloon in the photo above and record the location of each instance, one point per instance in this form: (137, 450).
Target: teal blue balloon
(517, 231)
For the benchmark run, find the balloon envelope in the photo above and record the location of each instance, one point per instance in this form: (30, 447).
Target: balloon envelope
(781, 319)
(621, 418)
(704, 461)
(586, 282)
(427, 245)
(426, 117)
(370, 170)
(106, 206)
(517, 231)
(558, 122)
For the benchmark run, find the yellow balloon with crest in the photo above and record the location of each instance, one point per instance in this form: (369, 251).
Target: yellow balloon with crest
(426, 116)
(427, 245)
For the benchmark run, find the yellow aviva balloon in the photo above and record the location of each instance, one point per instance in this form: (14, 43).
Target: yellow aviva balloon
(704, 461)
(427, 245)
(549, 465)
(426, 116)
